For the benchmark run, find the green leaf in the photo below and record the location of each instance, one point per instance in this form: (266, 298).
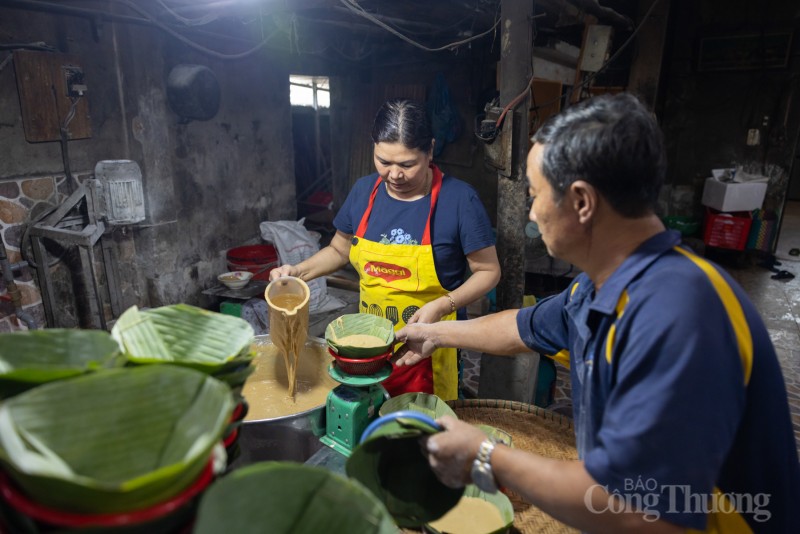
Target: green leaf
(113, 441)
(430, 405)
(359, 323)
(39, 356)
(283, 498)
(499, 499)
(391, 465)
(183, 335)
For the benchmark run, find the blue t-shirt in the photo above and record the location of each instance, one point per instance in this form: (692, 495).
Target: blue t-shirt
(459, 225)
(682, 391)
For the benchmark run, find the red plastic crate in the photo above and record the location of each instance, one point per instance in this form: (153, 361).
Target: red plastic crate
(726, 230)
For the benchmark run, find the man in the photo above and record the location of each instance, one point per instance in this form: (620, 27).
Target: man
(680, 408)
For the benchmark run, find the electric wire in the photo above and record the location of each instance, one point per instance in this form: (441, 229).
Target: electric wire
(616, 54)
(189, 42)
(200, 21)
(361, 12)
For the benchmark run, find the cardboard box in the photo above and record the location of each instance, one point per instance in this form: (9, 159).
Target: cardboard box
(733, 196)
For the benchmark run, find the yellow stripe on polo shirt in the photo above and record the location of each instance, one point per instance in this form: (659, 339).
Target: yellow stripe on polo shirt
(723, 518)
(733, 308)
(612, 332)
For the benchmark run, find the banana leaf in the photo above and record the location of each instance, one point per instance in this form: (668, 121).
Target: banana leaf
(391, 465)
(35, 357)
(359, 324)
(184, 335)
(430, 405)
(498, 499)
(283, 498)
(115, 441)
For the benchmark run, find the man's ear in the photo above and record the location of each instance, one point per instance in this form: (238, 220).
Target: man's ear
(584, 199)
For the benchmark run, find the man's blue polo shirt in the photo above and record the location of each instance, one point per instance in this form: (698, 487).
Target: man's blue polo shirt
(679, 403)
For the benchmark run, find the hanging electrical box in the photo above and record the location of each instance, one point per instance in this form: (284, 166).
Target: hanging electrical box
(117, 192)
(52, 91)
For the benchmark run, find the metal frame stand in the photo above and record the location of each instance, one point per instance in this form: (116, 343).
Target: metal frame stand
(59, 227)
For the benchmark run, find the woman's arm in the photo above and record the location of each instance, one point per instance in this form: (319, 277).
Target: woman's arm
(327, 260)
(485, 268)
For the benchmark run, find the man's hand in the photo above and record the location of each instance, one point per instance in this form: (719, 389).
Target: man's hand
(452, 452)
(419, 344)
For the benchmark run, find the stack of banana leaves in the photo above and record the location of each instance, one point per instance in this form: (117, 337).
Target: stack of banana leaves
(92, 436)
(117, 447)
(32, 358)
(214, 343)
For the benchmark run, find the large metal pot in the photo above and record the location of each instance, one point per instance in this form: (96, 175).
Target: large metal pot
(287, 438)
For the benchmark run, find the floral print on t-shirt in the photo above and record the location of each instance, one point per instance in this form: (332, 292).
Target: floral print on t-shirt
(398, 237)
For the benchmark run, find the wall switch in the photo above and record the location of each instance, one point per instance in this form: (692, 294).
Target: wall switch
(74, 80)
(753, 137)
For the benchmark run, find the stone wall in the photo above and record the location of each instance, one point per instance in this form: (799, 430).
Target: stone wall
(21, 201)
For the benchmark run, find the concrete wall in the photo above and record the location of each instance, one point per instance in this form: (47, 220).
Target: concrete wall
(207, 184)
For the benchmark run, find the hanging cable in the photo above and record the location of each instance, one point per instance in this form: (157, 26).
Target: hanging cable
(361, 12)
(188, 41)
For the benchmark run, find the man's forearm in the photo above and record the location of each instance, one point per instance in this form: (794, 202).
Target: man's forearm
(496, 334)
(565, 490)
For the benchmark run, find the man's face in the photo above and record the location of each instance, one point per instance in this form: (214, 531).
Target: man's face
(557, 223)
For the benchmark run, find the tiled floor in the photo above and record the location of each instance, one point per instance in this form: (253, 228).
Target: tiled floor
(778, 301)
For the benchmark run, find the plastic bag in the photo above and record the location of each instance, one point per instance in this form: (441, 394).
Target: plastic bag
(295, 244)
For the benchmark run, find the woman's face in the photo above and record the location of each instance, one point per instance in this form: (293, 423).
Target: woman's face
(404, 170)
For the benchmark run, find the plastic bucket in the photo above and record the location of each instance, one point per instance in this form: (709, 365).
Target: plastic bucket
(257, 259)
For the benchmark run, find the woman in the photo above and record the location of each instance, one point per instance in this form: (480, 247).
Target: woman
(410, 233)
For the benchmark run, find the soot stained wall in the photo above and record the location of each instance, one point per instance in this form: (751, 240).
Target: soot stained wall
(207, 184)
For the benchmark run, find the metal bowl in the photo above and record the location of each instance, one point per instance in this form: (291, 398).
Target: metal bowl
(287, 438)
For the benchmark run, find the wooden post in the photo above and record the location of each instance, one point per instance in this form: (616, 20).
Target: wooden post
(645, 70)
(515, 73)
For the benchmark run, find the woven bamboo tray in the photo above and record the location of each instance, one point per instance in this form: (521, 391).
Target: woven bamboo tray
(532, 429)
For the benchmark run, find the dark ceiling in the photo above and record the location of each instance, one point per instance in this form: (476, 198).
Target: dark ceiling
(342, 31)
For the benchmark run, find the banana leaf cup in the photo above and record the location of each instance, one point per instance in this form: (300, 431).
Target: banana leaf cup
(431, 405)
(115, 441)
(497, 499)
(28, 359)
(211, 342)
(284, 498)
(359, 324)
(389, 462)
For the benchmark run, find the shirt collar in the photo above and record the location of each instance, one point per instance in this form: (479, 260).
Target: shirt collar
(608, 296)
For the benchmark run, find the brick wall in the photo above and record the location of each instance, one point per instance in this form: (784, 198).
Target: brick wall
(21, 201)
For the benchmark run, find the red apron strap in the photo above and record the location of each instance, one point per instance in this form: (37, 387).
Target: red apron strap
(436, 186)
(362, 226)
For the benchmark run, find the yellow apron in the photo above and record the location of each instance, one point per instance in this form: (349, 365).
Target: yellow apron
(397, 280)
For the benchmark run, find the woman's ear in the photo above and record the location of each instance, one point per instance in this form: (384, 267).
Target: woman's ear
(584, 200)
(430, 152)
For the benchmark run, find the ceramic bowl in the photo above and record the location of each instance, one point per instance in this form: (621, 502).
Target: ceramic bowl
(235, 279)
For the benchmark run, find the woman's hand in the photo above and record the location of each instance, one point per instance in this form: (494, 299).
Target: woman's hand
(431, 312)
(283, 270)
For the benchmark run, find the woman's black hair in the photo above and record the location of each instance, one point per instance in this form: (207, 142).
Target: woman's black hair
(611, 142)
(403, 121)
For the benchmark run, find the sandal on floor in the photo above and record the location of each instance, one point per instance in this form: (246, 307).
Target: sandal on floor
(782, 275)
